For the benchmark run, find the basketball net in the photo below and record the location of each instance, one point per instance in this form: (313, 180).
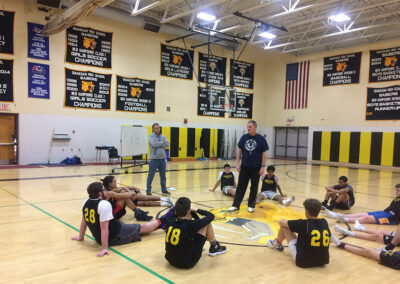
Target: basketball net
(227, 107)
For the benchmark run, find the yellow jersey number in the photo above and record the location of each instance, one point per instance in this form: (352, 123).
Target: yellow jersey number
(173, 236)
(90, 215)
(316, 238)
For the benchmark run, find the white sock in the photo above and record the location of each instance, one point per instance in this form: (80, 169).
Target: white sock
(358, 226)
(343, 231)
(164, 198)
(331, 214)
(341, 219)
(164, 203)
(335, 240)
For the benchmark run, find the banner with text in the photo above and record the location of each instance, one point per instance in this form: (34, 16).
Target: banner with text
(38, 45)
(38, 80)
(203, 102)
(85, 89)
(88, 47)
(135, 94)
(342, 69)
(6, 80)
(383, 103)
(384, 65)
(7, 32)
(216, 69)
(176, 62)
(244, 106)
(242, 74)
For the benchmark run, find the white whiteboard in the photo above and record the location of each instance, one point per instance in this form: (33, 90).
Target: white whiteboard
(133, 140)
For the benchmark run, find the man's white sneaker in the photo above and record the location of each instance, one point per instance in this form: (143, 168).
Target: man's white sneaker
(233, 208)
(274, 245)
(250, 209)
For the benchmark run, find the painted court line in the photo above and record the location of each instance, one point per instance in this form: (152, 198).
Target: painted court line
(90, 237)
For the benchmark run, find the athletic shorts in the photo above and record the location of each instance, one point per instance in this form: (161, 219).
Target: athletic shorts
(191, 260)
(293, 249)
(390, 259)
(129, 233)
(383, 218)
(269, 194)
(387, 240)
(225, 189)
(118, 211)
(343, 206)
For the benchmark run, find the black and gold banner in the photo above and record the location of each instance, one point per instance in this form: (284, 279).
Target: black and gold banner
(342, 69)
(85, 89)
(217, 100)
(89, 47)
(383, 103)
(216, 69)
(242, 74)
(384, 65)
(7, 32)
(244, 106)
(176, 62)
(6, 80)
(135, 94)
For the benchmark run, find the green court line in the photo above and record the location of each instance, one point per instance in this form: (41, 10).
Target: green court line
(90, 237)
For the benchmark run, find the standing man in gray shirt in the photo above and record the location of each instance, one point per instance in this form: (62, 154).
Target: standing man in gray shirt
(157, 144)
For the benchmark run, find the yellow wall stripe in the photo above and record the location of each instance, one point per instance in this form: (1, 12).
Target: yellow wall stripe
(325, 145)
(365, 148)
(344, 148)
(387, 149)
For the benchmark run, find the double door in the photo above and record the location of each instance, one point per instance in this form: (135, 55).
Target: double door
(291, 143)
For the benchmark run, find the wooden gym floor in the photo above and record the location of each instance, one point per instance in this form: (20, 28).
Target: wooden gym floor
(40, 210)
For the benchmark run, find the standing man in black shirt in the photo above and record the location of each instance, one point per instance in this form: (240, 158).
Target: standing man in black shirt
(98, 216)
(341, 195)
(311, 245)
(185, 237)
(252, 150)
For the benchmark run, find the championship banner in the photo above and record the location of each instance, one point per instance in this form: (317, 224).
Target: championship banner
(383, 103)
(176, 62)
(203, 102)
(38, 46)
(89, 47)
(384, 65)
(6, 80)
(85, 89)
(7, 32)
(244, 106)
(342, 69)
(135, 94)
(216, 69)
(38, 80)
(242, 74)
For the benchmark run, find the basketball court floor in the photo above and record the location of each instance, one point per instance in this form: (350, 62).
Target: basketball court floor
(40, 210)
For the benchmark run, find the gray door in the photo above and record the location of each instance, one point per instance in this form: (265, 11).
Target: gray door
(291, 143)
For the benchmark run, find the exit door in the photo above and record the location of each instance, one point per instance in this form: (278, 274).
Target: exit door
(8, 139)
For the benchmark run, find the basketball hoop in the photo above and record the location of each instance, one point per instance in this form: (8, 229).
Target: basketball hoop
(227, 107)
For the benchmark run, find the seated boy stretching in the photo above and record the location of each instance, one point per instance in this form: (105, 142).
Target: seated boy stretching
(227, 179)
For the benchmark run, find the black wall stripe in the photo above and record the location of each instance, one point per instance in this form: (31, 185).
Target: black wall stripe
(354, 152)
(205, 141)
(220, 143)
(174, 147)
(316, 151)
(191, 135)
(396, 150)
(335, 143)
(376, 148)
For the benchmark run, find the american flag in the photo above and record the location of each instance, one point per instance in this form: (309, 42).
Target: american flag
(296, 91)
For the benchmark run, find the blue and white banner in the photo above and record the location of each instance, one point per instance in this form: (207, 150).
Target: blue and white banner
(38, 46)
(38, 80)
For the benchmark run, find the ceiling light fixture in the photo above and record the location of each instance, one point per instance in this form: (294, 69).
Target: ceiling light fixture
(339, 18)
(267, 35)
(205, 16)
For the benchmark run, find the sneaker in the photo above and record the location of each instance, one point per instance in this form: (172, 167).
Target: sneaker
(216, 250)
(143, 217)
(274, 245)
(288, 201)
(166, 192)
(330, 214)
(358, 226)
(250, 209)
(325, 203)
(341, 230)
(340, 218)
(148, 193)
(233, 208)
(165, 218)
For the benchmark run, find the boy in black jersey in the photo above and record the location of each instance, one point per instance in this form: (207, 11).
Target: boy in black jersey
(389, 216)
(341, 195)
(385, 256)
(227, 179)
(185, 237)
(311, 245)
(97, 215)
(269, 184)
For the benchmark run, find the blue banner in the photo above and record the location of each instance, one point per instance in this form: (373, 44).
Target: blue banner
(38, 80)
(38, 46)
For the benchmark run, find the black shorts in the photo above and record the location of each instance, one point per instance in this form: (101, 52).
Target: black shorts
(343, 206)
(390, 259)
(387, 240)
(191, 260)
